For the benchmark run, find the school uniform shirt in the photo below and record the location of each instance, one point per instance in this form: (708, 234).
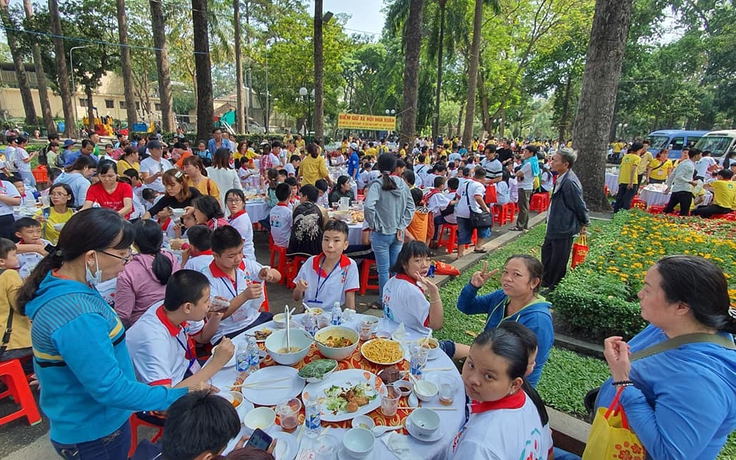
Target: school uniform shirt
(27, 261)
(20, 155)
(328, 285)
(513, 190)
(703, 165)
(290, 169)
(281, 222)
(115, 200)
(241, 222)
(628, 162)
(429, 180)
(404, 302)
(200, 262)
(275, 160)
(139, 207)
(437, 202)
(420, 173)
(167, 226)
(162, 352)
(7, 189)
(223, 286)
(469, 191)
(509, 428)
(151, 166)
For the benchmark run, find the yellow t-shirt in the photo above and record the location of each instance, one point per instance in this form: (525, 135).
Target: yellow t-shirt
(10, 284)
(124, 166)
(372, 151)
(628, 162)
(659, 172)
(206, 187)
(313, 169)
(617, 146)
(48, 232)
(344, 147)
(402, 153)
(724, 193)
(644, 163)
(301, 144)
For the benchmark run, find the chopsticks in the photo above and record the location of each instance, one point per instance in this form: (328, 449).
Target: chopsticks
(261, 383)
(433, 408)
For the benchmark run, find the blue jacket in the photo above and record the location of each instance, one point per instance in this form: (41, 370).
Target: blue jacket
(536, 316)
(683, 402)
(567, 211)
(82, 364)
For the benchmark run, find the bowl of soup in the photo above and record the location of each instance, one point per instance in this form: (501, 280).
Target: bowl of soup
(301, 341)
(337, 342)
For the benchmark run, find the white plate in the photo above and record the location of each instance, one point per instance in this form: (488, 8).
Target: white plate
(261, 328)
(415, 433)
(263, 396)
(343, 454)
(376, 362)
(230, 363)
(345, 379)
(286, 446)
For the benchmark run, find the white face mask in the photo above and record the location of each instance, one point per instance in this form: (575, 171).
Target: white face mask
(93, 280)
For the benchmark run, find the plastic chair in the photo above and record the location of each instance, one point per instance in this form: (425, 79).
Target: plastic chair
(639, 203)
(366, 277)
(503, 213)
(449, 242)
(727, 216)
(281, 267)
(539, 202)
(292, 269)
(11, 373)
(136, 423)
(655, 209)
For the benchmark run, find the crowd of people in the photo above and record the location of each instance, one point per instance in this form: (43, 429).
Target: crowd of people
(143, 256)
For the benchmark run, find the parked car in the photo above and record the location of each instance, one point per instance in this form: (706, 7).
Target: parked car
(673, 139)
(717, 142)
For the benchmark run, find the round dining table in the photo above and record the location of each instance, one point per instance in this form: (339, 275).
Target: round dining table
(405, 447)
(655, 195)
(257, 210)
(612, 183)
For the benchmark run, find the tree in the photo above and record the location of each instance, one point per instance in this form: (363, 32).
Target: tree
(473, 72)
(412, 49)
(63, 74)
(20, 70)
(319, 83)
(126, 64)
(158, 24)
(205, 110)
(240, 117)
(438, 92)
(611, 23)
(43, 95)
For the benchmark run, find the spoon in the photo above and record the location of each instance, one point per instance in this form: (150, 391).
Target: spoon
(288, 329)
(413, 401)
(380, 430)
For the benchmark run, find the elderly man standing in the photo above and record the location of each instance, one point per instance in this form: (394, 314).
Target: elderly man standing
(566, 217)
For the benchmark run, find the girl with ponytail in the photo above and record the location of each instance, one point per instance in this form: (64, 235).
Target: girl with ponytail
(143, 281)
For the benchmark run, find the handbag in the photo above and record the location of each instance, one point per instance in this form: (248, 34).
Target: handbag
(610, 435)
(579, 250)
(481, 219)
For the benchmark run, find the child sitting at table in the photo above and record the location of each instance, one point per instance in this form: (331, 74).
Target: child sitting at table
(322, 188)
(404, 298)
(31, 247)
(504, 422)
(19, 343)
(198, 255)
(421, 227)
(239, 281)
(280, 217)
(330, 277)
(161, 342)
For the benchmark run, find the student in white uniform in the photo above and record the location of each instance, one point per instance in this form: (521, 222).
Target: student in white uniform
(281, 217)
(238, 218)
(31, 247)
(330, 277)
(161, 342)
(199, 253)
(154, 167)
(239, 281)
(502, 420)
(405, 294)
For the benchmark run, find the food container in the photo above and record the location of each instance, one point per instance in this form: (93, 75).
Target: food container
(260, 417)
(425, 390)
(276, 346)
(338, 353)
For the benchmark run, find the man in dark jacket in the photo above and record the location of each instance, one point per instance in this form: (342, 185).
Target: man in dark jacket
(567, 216)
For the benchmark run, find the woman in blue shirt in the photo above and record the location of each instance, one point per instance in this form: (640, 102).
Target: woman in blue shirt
(80, 356)
(680, 402)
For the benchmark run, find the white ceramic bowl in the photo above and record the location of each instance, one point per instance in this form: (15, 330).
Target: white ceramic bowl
(280, 320)
(426, 421)
(178, 213)
(425, 390)
(359, 442)
(277, 341)
(260, 417)
(432, 353)
(241, 405)
(337, 353)
(363, 421)
(403, 386)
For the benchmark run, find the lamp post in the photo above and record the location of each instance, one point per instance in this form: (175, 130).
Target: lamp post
(74, 86)
(391, 112)
(304, 92)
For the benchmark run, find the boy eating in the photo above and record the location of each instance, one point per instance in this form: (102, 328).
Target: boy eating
(330, 277)
(31, 247)
(199, 253)
(281, 217)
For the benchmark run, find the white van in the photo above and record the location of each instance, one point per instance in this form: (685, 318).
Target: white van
(718, 142)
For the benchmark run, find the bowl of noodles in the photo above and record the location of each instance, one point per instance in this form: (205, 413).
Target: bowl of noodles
(301, 341)
(337, 342)
(382, 351)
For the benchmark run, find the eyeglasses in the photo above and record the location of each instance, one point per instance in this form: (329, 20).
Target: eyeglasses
(62, 195)
(125, 259)
(233, 200)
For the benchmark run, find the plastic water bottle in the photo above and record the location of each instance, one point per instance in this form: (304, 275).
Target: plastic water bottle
(336, 315)
(242, 361)
(310, 323)
(254, 355)
(313, 419)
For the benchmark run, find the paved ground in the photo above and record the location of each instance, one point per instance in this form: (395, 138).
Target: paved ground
(18, 441)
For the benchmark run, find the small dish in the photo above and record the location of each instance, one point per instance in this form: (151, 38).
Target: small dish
(425, 390)
(414, 432)
(363, 421)
(403, 386)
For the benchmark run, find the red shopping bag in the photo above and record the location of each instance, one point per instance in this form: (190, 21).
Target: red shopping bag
(579, 250)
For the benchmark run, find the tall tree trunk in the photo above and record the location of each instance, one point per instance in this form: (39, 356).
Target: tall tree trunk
(126, 65)
(411, 71)
(60, 55)
(240, 113)
(20, 70)
(473, 73)
(485, 115)
(43, 94)
(565, 118)
(611, 23)
(90, 109)
(205, 110)
(158, 24)
(319, 81)
(436, 117)
(460, 117)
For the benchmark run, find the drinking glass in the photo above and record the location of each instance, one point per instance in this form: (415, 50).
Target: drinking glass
(288, 412)
(390, 401)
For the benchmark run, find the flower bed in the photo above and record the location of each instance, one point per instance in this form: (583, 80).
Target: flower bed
(599, 298)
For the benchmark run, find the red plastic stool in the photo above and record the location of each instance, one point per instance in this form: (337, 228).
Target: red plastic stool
(449, 242)
(655, 209)
(366, 277)
(503, 213)
(539, 202)
(136, 423)
(11, 373)
(639, 203)
(292, 269)
(281, 267)
(514, 209)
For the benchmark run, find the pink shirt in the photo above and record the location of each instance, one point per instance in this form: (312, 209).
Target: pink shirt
(138, 288)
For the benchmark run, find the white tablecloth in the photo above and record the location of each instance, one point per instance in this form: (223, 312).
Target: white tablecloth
(451, 420)
(355, 233)
(257, 211)
(612, 183)
(654, 197)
